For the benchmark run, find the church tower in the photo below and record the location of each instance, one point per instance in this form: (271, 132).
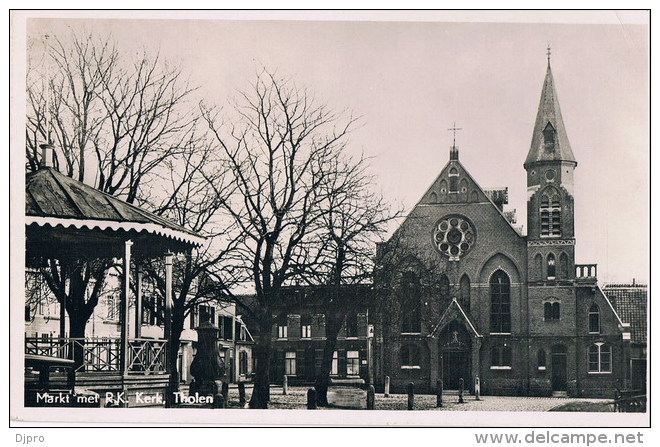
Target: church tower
(550, 208)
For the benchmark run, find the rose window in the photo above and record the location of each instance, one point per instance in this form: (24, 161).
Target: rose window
(454, 236)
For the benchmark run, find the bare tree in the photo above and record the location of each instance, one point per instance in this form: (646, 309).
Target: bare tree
(191, 190)
(355, 219)
(278, 150)
(114, 121)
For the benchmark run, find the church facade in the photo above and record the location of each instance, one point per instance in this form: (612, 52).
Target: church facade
(468, 296)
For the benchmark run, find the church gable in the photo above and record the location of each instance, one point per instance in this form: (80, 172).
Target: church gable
(453, 185)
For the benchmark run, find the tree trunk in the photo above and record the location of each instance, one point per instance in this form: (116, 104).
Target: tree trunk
(323, 380)
(263, 352)
(77, 324)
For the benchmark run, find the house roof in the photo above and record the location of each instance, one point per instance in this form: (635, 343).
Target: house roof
(630, 302)
(549, 113)
(55, 201)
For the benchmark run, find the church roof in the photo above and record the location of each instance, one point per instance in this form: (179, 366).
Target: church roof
(549, 114)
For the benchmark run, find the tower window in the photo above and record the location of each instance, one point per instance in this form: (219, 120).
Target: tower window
(549, 137)
(500, 303)
(594, 319)
(550, 211)
(552, 270)
(551, 311)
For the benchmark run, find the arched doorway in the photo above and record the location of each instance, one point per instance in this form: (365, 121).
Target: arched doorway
(558, 368)
(454, 345)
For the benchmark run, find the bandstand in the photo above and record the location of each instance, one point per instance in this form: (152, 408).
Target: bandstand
(66, 220)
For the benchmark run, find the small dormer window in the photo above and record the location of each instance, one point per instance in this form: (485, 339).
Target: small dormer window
(549, 137)
(453, 180)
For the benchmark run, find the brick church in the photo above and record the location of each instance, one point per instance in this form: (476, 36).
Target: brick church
(468, 295)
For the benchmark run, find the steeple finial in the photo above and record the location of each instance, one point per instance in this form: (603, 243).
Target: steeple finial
(453, 154)
(549, 53)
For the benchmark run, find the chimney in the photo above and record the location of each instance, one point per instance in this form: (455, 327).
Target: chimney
(46, 155)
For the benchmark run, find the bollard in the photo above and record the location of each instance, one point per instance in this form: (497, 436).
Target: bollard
(241, 393)
(387, 386)
(411, 395)
(477, 388)
(285, 385)
(461, 386)
(371, 397)
(225, 392)
(311, 399)
(439, 386)
(219, 401)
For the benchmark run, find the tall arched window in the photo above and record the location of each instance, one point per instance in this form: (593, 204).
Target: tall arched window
(445, 287)
(411, 321)
(500, 303)
(594, 319)
(410, 356)
(551, 266)
(465, 292)
(550, 211)
(563, 266)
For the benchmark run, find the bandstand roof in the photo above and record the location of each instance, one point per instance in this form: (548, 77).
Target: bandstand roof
(65, 217)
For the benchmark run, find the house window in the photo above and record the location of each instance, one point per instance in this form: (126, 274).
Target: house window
(112, 309)
(352, 363)
(500, 303)
(306, 326)
(243, 363)
(541, 359)
(410, 356)
(411, 321)
(290, 363)
(334, 369)
(550, 210)
(282, 331)
(153, 310)
(551, 267)
(594, 319)
(228, 328)
(600, 358)
(500, 357)
(551, 311)
(351, 325)
(206, 314)
(28, 312)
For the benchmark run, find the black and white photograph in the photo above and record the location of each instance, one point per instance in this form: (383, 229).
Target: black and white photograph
(330, 218)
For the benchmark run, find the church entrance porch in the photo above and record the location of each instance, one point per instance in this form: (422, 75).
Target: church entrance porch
(454, 348)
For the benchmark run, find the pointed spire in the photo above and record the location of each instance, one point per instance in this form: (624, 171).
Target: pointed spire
(549, 140)
(453, 153)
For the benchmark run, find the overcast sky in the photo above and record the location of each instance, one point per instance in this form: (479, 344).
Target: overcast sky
(411, 79)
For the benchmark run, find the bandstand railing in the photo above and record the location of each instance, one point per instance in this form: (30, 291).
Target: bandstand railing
(146, 356)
